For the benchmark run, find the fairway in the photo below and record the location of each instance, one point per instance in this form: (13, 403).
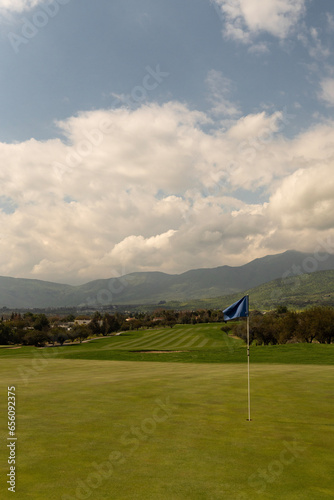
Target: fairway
(201, 343)
(162, 338)
(136, 430)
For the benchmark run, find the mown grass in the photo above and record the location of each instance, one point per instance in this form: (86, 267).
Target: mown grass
(196, 343)
(91, 423)
(73, 416)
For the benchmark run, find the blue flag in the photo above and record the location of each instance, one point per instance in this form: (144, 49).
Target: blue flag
(237, 310)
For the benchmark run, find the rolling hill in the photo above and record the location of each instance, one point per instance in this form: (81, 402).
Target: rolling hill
(155, 287)
(295, 292)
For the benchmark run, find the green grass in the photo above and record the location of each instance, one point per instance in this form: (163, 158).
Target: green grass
(76, 415)
(73, 413)
(202, 343)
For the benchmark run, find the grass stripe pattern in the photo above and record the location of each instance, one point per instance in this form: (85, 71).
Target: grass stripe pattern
(181, 337)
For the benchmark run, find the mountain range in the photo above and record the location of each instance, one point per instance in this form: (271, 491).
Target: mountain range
(155, 287)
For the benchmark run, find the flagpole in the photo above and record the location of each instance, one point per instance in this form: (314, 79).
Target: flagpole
(240, 309)
(249, 415)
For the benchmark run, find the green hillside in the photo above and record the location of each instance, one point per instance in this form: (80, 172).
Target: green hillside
(297, 292)
(19, 292)
(154, 287)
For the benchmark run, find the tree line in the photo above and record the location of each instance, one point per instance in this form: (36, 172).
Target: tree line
(282, 326)
(40, 330)
(275, 327)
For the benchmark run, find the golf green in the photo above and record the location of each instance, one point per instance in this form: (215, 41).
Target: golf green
(171, 431)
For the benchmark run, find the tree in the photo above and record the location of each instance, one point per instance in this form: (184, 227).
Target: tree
(135, 324)
(110, 324)
(41, 322)
(96, 325)
(307, 328)
(58, 334)
(6, 334)
(81, 332)
(38, 338)
(282, 309)
(69, 318)
(288, 325)
(61, 335)
(316, 323)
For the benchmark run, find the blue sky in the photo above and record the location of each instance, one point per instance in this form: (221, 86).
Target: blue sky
(163, 135)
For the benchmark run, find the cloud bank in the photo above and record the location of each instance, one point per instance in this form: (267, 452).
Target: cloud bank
(156, 189)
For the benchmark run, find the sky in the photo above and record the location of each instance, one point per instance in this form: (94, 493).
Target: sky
(154, 135)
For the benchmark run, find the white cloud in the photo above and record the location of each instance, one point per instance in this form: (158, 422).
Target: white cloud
(330, 22)
(245, 19)
(151, 190)
(140, 252)
(18, 5)
(220, 88)
(311, 39)
(327, 91)
(305, 199)
(317, 49)
(259, 48)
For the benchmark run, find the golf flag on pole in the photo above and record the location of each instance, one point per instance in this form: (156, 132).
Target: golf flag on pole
(240, 309)
(237, 310)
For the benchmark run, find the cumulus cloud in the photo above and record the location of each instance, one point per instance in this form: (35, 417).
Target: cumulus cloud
(245, 19)
(302, 202)
(153, 189)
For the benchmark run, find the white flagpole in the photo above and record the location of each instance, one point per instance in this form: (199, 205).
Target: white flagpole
(249, 416)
